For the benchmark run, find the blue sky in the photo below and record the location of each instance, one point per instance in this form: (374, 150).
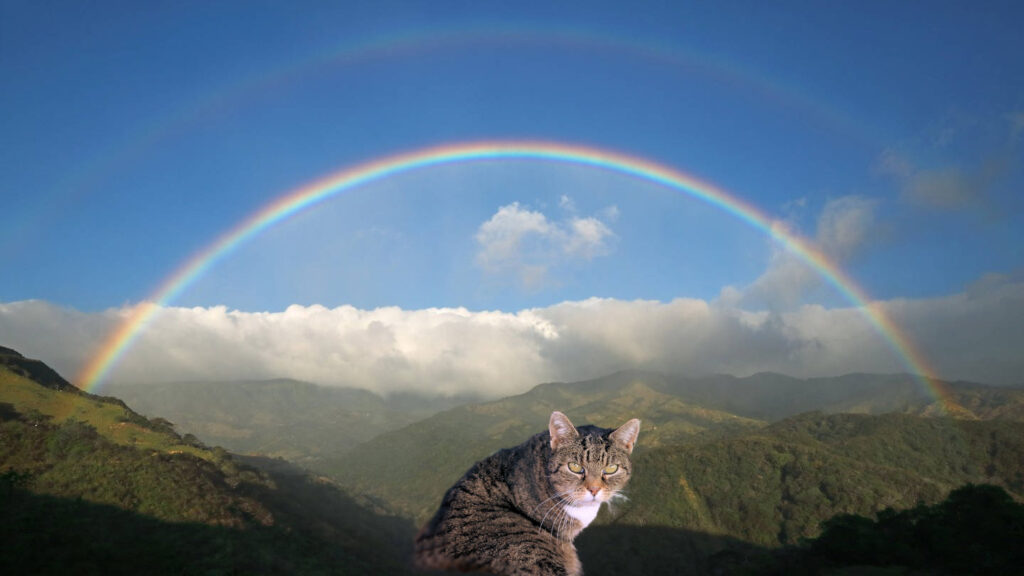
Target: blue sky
(892, 134)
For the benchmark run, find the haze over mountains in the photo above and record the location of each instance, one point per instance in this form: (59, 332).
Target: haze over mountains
(724, 466)
(299, 420)
(280, 418)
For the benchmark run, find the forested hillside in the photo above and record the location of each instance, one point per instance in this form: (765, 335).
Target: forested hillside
(411, 468)
(776, 486)
(445, 445)
(975, 531)
(90, 487)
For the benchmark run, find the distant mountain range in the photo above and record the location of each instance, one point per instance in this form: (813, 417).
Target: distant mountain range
(279, 418)
(727, 469)
(303, 422)
(769, 396)
(443, 446)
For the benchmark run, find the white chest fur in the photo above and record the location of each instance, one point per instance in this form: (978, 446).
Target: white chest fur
(585, 513)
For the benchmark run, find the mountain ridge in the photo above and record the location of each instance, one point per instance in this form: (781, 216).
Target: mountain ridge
(450, 441)
(280, 417)
(714, 482)
(72, 462)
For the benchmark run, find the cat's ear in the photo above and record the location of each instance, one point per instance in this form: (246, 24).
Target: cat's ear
(625, 435)
(561, 430)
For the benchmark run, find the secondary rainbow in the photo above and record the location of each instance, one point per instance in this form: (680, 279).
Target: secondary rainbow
(318, 191)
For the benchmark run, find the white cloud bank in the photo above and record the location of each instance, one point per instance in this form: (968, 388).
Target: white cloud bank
(974, 335)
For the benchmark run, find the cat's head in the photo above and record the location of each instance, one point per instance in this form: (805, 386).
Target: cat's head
(590, 465)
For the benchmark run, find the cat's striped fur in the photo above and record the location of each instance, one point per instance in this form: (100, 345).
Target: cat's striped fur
(517, 511)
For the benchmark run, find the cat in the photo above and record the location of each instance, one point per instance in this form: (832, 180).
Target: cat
(517, 512)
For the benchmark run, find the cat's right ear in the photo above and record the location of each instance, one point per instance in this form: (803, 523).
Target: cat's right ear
(561, 430)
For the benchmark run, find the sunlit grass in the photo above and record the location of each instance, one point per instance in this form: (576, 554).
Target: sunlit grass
(111, 420)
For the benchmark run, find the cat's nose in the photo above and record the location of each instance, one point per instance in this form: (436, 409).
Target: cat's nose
(594, 490)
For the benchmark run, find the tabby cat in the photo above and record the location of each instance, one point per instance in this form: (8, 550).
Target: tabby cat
(517, 511)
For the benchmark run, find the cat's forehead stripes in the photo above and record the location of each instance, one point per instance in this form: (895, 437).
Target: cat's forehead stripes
(595, 448)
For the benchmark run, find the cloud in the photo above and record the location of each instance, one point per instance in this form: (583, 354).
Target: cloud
(970, 160)
(587, 238)
(949, 187)
(845, 226)
(566, 203)
(525, 244)
(973, 335)
(1016, 121)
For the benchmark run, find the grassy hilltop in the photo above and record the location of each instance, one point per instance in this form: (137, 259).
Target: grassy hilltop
(88, 486)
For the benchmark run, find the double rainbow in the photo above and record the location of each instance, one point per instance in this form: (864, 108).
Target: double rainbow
(307, 196)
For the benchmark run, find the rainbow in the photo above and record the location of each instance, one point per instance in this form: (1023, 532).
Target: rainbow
(318, 191)
(333, 58)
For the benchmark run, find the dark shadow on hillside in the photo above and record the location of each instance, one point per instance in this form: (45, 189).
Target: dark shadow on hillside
(302, 497)
(620, 550)
(653, 551)
(320, 532)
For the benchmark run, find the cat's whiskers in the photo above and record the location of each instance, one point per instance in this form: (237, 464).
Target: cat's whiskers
(541, 503)
(559, 515)
(563, 499)
(565, 523)
(559, 496)
(559, 509)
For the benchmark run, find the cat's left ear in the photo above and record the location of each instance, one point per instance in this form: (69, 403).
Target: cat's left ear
(561, 430)
(625, 435)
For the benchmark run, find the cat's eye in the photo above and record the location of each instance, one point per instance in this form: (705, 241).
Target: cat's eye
(575, 468)
(611, 469)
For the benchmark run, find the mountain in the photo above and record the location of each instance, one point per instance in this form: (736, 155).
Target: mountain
(714, 482)
(410, 468)
(776, 485)
(33, 369)
(729, 500)
(975, 531)
(279, 418)
(674, 410)
(769, 396)
(306, 423)
(88, 486)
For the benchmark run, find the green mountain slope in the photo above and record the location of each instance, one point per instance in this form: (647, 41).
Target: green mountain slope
(711, 488)
(674, 410)
(33, 370)
(717, 507)
(976, 530)
(53, 399)
(710, 480)
(410, 468)
(777, 485)
(72, 463)
(279, 418)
